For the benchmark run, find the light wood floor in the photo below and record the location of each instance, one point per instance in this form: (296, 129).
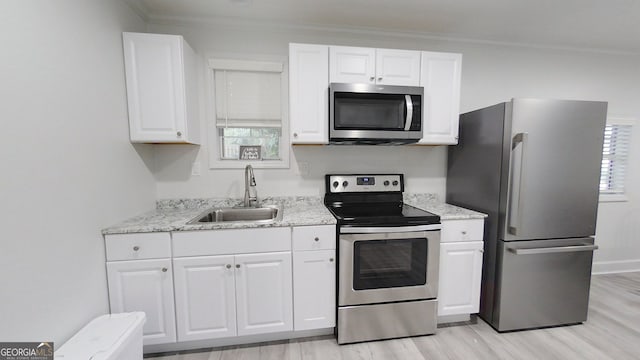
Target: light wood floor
(612, 331)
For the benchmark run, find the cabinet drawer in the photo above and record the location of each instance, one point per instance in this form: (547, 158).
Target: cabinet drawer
(231, 241)
(138, 246)
(314, 237)
(462, 230)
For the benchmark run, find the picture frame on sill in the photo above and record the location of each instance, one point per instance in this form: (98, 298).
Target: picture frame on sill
(250, 152)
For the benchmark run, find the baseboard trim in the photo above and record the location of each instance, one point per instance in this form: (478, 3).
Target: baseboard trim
(612, 267)
(207, 345)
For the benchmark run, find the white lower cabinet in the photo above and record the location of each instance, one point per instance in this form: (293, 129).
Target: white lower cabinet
(314, 281)
(264, 293)
(225, 283)
(314, 277)
(460, 274)
(205, 297)
(461, 252)
(145, 285)
(232, 282)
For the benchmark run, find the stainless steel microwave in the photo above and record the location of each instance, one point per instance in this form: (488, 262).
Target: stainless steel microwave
(375, 114)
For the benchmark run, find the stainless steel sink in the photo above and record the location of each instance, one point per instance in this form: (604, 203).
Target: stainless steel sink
(263, 214)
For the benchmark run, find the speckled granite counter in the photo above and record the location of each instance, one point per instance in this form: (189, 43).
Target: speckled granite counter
(173, 215)
(430, 203)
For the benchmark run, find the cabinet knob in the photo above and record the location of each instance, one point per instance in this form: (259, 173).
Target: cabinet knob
(464, 233)
(316, 239)
(295, 135)
(164, 269)
(380, 79)
(330, 259)
(481, 250)
(228, 266)
(237, 266)
(372, 78)
(136, 248)
(179, 133)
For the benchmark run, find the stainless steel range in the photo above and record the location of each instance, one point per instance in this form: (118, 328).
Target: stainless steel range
(388, 257)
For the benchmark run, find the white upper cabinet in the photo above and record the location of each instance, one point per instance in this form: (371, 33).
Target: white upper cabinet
(352, 64)
(309, 93)
(161, 89)
(374, 66)
(397, 67)
(440, 77)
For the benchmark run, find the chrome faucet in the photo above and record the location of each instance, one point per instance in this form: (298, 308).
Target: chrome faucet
(250, 182)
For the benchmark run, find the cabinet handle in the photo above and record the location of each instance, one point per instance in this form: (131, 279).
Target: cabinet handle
(372, 78)
(164, 269)
(464, 233)
(380, 79)
(237, 266)
(228, 266)
(295, 135)
(316, 239)
(481, 250)
(330, 259)
(136, 248)
(179, 133)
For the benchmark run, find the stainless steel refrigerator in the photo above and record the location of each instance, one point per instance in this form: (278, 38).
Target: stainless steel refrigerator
(534, 167)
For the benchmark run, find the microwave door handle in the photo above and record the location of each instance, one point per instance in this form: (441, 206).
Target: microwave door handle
(409, 105)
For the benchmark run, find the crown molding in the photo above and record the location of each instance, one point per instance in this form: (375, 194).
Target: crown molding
(257, 24)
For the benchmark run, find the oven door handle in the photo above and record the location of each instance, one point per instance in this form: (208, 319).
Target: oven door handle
(388, 229)
(409, 105)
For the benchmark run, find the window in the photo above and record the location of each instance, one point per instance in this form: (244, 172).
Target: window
(249, 108)
(615, 153)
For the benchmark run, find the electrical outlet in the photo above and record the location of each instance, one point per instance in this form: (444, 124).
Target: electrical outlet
(196, 169)
(304, 168)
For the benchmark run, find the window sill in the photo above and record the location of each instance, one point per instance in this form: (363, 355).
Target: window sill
(613, 198)
(241, 164)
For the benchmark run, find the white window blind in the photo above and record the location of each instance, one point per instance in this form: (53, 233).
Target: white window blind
(615, 154)
(247, 93)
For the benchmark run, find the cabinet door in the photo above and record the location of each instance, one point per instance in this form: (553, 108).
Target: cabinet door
(440, 76)
(205, 297)
(145, 285)
(460, 273)
(308, 93)
(264, 293)
(314, 286)
(352, 65)
(397, 67)
(154, 69)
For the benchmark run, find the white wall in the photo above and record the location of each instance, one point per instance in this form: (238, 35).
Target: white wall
(491, 73)
(68, 169)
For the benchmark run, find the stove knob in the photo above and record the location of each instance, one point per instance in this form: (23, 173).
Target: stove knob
(345, 183)
(395, 182)
(386, 183)
(335, 184)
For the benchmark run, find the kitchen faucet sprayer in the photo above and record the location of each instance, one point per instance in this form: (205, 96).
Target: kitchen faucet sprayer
(250, 182)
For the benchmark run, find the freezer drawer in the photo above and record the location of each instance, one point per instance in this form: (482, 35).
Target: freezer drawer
(542, 283)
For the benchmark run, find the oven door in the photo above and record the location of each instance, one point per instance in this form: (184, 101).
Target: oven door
(378, 265)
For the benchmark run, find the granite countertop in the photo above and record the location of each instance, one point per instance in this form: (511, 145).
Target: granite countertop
(173, 215)
(430, 203)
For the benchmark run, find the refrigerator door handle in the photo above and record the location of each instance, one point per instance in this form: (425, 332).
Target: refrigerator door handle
(514, 224)
(551, 250)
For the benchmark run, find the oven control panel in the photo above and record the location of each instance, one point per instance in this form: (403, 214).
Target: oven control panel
(365, 183)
